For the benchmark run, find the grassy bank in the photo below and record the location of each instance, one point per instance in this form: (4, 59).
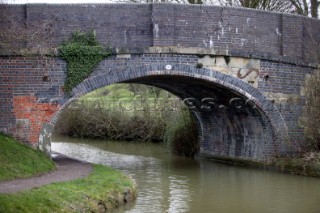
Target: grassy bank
(105, 188)
(20, 161)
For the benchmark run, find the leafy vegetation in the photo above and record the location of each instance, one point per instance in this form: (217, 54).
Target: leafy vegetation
(104, 124)
(181, 134)
(118, 112)
(310, 119)
(105, 188)
(20, 161)
(82, 53)
(308, 165)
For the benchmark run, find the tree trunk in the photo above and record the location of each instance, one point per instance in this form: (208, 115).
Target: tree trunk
(314, 8)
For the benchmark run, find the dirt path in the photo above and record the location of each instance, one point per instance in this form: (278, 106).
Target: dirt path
(66, 169)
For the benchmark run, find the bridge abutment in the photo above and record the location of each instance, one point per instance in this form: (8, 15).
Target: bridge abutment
(248, 65)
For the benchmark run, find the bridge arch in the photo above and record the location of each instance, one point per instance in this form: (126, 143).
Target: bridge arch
(237, 122)
(227, 39)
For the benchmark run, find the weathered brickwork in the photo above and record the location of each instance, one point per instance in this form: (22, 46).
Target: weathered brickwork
(27, 86)
(30, 117)
(225, 30)
(250, 64)
(247, 133)
(284, 87)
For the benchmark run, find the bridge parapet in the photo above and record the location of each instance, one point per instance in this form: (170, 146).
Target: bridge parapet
(219, 30)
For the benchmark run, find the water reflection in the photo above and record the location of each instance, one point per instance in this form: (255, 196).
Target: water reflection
(174, 184)
(179, 195)
(95, 155)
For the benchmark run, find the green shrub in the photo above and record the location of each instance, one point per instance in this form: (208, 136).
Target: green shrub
(107, 124)
(310, 119)
(181, 135)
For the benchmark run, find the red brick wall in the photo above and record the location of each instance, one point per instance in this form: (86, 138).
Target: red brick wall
(26, 108)
(25, 95)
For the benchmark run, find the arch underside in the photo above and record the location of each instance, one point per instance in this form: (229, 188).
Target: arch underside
(229, 124)
(234, 119)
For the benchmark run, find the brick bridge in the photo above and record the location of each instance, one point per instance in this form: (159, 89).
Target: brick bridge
(251, 64)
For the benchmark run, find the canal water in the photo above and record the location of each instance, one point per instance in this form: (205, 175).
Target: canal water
(169, 183)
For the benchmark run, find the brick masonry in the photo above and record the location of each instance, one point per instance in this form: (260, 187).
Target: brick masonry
(31, 88)
(223, 30)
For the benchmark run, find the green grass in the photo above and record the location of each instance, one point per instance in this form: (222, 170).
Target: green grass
(20, 161)
(112, 96)
(103, 188)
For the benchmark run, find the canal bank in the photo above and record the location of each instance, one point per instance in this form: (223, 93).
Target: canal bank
(73, 185)
(307, 164)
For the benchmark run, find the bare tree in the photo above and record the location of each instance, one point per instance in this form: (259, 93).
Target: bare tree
(301, 6)
(305, 7)
(270, 5)
(168, 1)
(315, 8)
